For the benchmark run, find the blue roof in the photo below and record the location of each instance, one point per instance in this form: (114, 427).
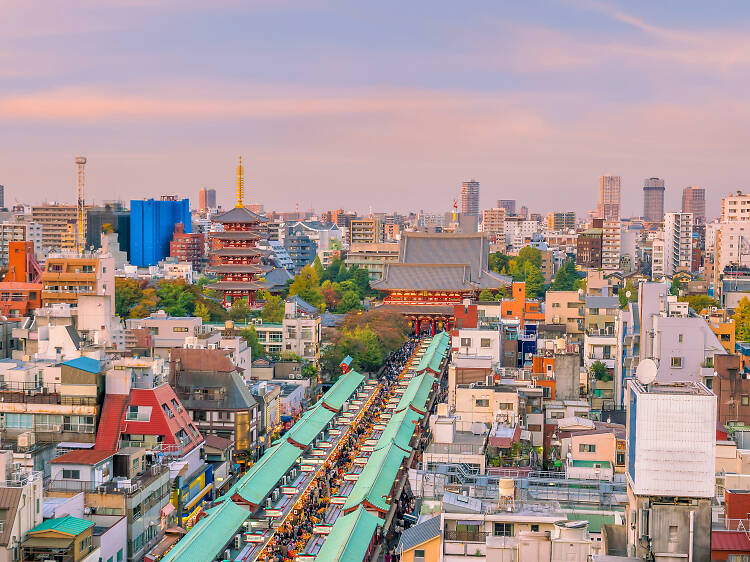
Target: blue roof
(84, 364)
(347, 360)
(419, 534)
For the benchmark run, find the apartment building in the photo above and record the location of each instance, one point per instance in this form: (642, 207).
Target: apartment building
(493, 221)
(561, 221)
(365, 231)
(566, 308)
(678, 242)
(372, 257)
(611, 234)
(17, 232)
(54, 220)
(66, 276)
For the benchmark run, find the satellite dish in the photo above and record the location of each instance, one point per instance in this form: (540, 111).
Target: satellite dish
(628, 294)
(646, 371)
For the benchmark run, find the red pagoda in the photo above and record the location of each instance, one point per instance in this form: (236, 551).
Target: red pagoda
(234, 257)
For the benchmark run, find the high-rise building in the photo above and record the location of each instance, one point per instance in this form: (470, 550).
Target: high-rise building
(470, 198)
(54, 220)
(152, 225)
(509, 205)
(694, 201)
(609, 198)
(678, 242)
(188, 246)
(98, 217)
(653, 199)
(206, 199)
(493, 221)
(2, 196)
(611, 234)
(561, 220)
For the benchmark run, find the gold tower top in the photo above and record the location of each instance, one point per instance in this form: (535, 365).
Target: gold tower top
(240, 184)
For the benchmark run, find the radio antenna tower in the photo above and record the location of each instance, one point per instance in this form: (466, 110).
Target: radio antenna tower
(80, 162)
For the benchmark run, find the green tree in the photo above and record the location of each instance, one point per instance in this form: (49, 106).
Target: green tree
(201, 310)
(318, 267)
(565, 278)
(599, 371)
(128, 294)
(534, 281)
(349, 301)
(148, 303)
(531, 255)
(307, 285)
(175, 297)
(361, 279)
(674, 289)
(486, 295)
(622, 295)
(699, 302)
(251, 337)
(742, 320)
(240, 311)
(310, 371)
(498, 262)
(273, 309)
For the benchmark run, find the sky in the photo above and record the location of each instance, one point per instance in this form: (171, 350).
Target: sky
(384, 105)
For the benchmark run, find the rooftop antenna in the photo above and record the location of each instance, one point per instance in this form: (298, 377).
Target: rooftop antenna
(80, 162)
(240, 184)
(646, 372)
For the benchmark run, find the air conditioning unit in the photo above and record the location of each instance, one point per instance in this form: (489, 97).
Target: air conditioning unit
(237, 542)
(275, 495)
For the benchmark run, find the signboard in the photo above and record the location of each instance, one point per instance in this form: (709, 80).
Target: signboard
(338, 500)
(289, 490)
(307, 468)
(322, 529)
(254, 537)
(272, 513)
(351, 477)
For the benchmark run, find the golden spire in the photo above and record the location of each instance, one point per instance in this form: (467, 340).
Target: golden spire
(240, 184)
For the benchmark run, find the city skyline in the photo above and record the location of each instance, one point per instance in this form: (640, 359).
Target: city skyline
(334, 106)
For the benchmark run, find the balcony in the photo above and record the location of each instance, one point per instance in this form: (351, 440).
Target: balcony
(466, 536)
(123, 486)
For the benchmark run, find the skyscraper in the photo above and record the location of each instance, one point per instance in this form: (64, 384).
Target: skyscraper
(470, 198)
(509, 205)
(206, 199)
(694, 201)
(2, 196)
(609, 198)
(653, 200)
(152, 227)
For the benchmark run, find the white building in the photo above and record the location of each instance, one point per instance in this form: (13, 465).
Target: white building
(735, 207)
(611, 233)
(658, 270)
(15, 232)
(678, 242)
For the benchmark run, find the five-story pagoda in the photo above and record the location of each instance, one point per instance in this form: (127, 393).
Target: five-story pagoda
(234, 257)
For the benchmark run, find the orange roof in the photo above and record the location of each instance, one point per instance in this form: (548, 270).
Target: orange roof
(16, 285)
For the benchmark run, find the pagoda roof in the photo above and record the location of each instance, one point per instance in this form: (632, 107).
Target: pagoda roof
(235, 235)
(237, 286)
(446, 248)
(238, 268)
(239, 215)
(229, 251)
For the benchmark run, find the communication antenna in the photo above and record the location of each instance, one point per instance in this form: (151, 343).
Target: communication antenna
(80, 162)
(646, 372)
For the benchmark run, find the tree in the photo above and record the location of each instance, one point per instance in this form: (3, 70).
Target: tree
(148, 303)
(175, 297)
(361, 279)
(676, 286)
(349, 301)
(273, 310)
(699, 302)
(251, 337)
(128, 294)
(622, 294)
(486, 295)
(531, 255)
(742, 320)
(498, 261)
(565, 278)
(318, 267)
(310, 371)
(201, 310)
(534, 281)
(307, 286)
(239, 311)
(599, 371)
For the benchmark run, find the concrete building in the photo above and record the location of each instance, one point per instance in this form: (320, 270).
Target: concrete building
(166, 331)
(566, 308)
(188, 247)
(66, 276)
(611, 233)
(561, 220)
(17, 232)
(54, 220)
(609, 198)
(658, 258)
(206, 199)
(302, 329)
(470, 198)
(152, 224)
(509, 205)
(653, 200)
(671, 462)
(21, 496)
(365, 231)
(678, 242)
(735, 207)
(589, 246)
(372, 257)
(694, 201)
(493, 221)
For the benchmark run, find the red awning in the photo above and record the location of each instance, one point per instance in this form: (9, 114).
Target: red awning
(736, 541)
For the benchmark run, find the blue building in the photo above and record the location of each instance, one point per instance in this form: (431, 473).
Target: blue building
(152, 226)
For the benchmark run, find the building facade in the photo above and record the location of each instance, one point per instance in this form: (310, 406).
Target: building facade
(152, 224)
(694, 201)
(653, 200)
(470, 198)
(609, 198)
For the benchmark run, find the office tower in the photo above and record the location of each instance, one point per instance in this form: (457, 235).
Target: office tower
(694, 201)
(509, 205)
(493, 221)
(609, 198)
(206, 199)
(653, 200)
(561, 220)
(152, 225)
(55, 221)
(2, 196)
(678, 242)
(98, 217)
(470, 198)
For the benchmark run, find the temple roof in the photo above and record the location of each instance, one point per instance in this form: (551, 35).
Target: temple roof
(235, 235)
(238, 268)
(446, 248)
(230, 251)
(239, 215)
(237, 286)
(425, 277)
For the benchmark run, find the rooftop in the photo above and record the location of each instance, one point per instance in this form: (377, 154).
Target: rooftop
(83, 456)
(84, 364)
(68, 525)
(686, 387)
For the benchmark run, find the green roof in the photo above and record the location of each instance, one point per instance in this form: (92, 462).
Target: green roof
(258, 482)
(435, 353)
(276, 325)
(590, 464)
(417, 392)
(68, 525)
(596, 520)
(400, 428)
(220, 525)
(377, 477)
(350, 537)
(310, 425)
(343, 389)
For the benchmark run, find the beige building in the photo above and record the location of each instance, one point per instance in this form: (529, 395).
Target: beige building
(493, 221)
(66, 276)
(678, 242)
(15, 232)
(373, 257)
(735, 207)
(54, 220)
(609, 198)
(20, 504)
(367, 231)
(611, 234)
(301, 329)
(561, 220)
(566, 308)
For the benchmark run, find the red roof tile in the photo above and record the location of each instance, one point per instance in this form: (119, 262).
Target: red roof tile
(83, 456)
(730, 540)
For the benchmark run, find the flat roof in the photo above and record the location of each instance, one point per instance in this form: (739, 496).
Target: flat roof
(677, 387)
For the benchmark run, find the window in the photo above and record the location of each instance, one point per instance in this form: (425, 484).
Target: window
(535, 427)
(167, 410)
(502, 529)
(465, 342)
(179, 329)
(535, 528)
(504, 406)
(586, 448)
(620, 459)
(485, 342)
(482, 403)
(119, 555)
(593, 311)
(555, 305)
(677, 362)
(745, 400)
(679, 338)
(71, 474)
(419, 555)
